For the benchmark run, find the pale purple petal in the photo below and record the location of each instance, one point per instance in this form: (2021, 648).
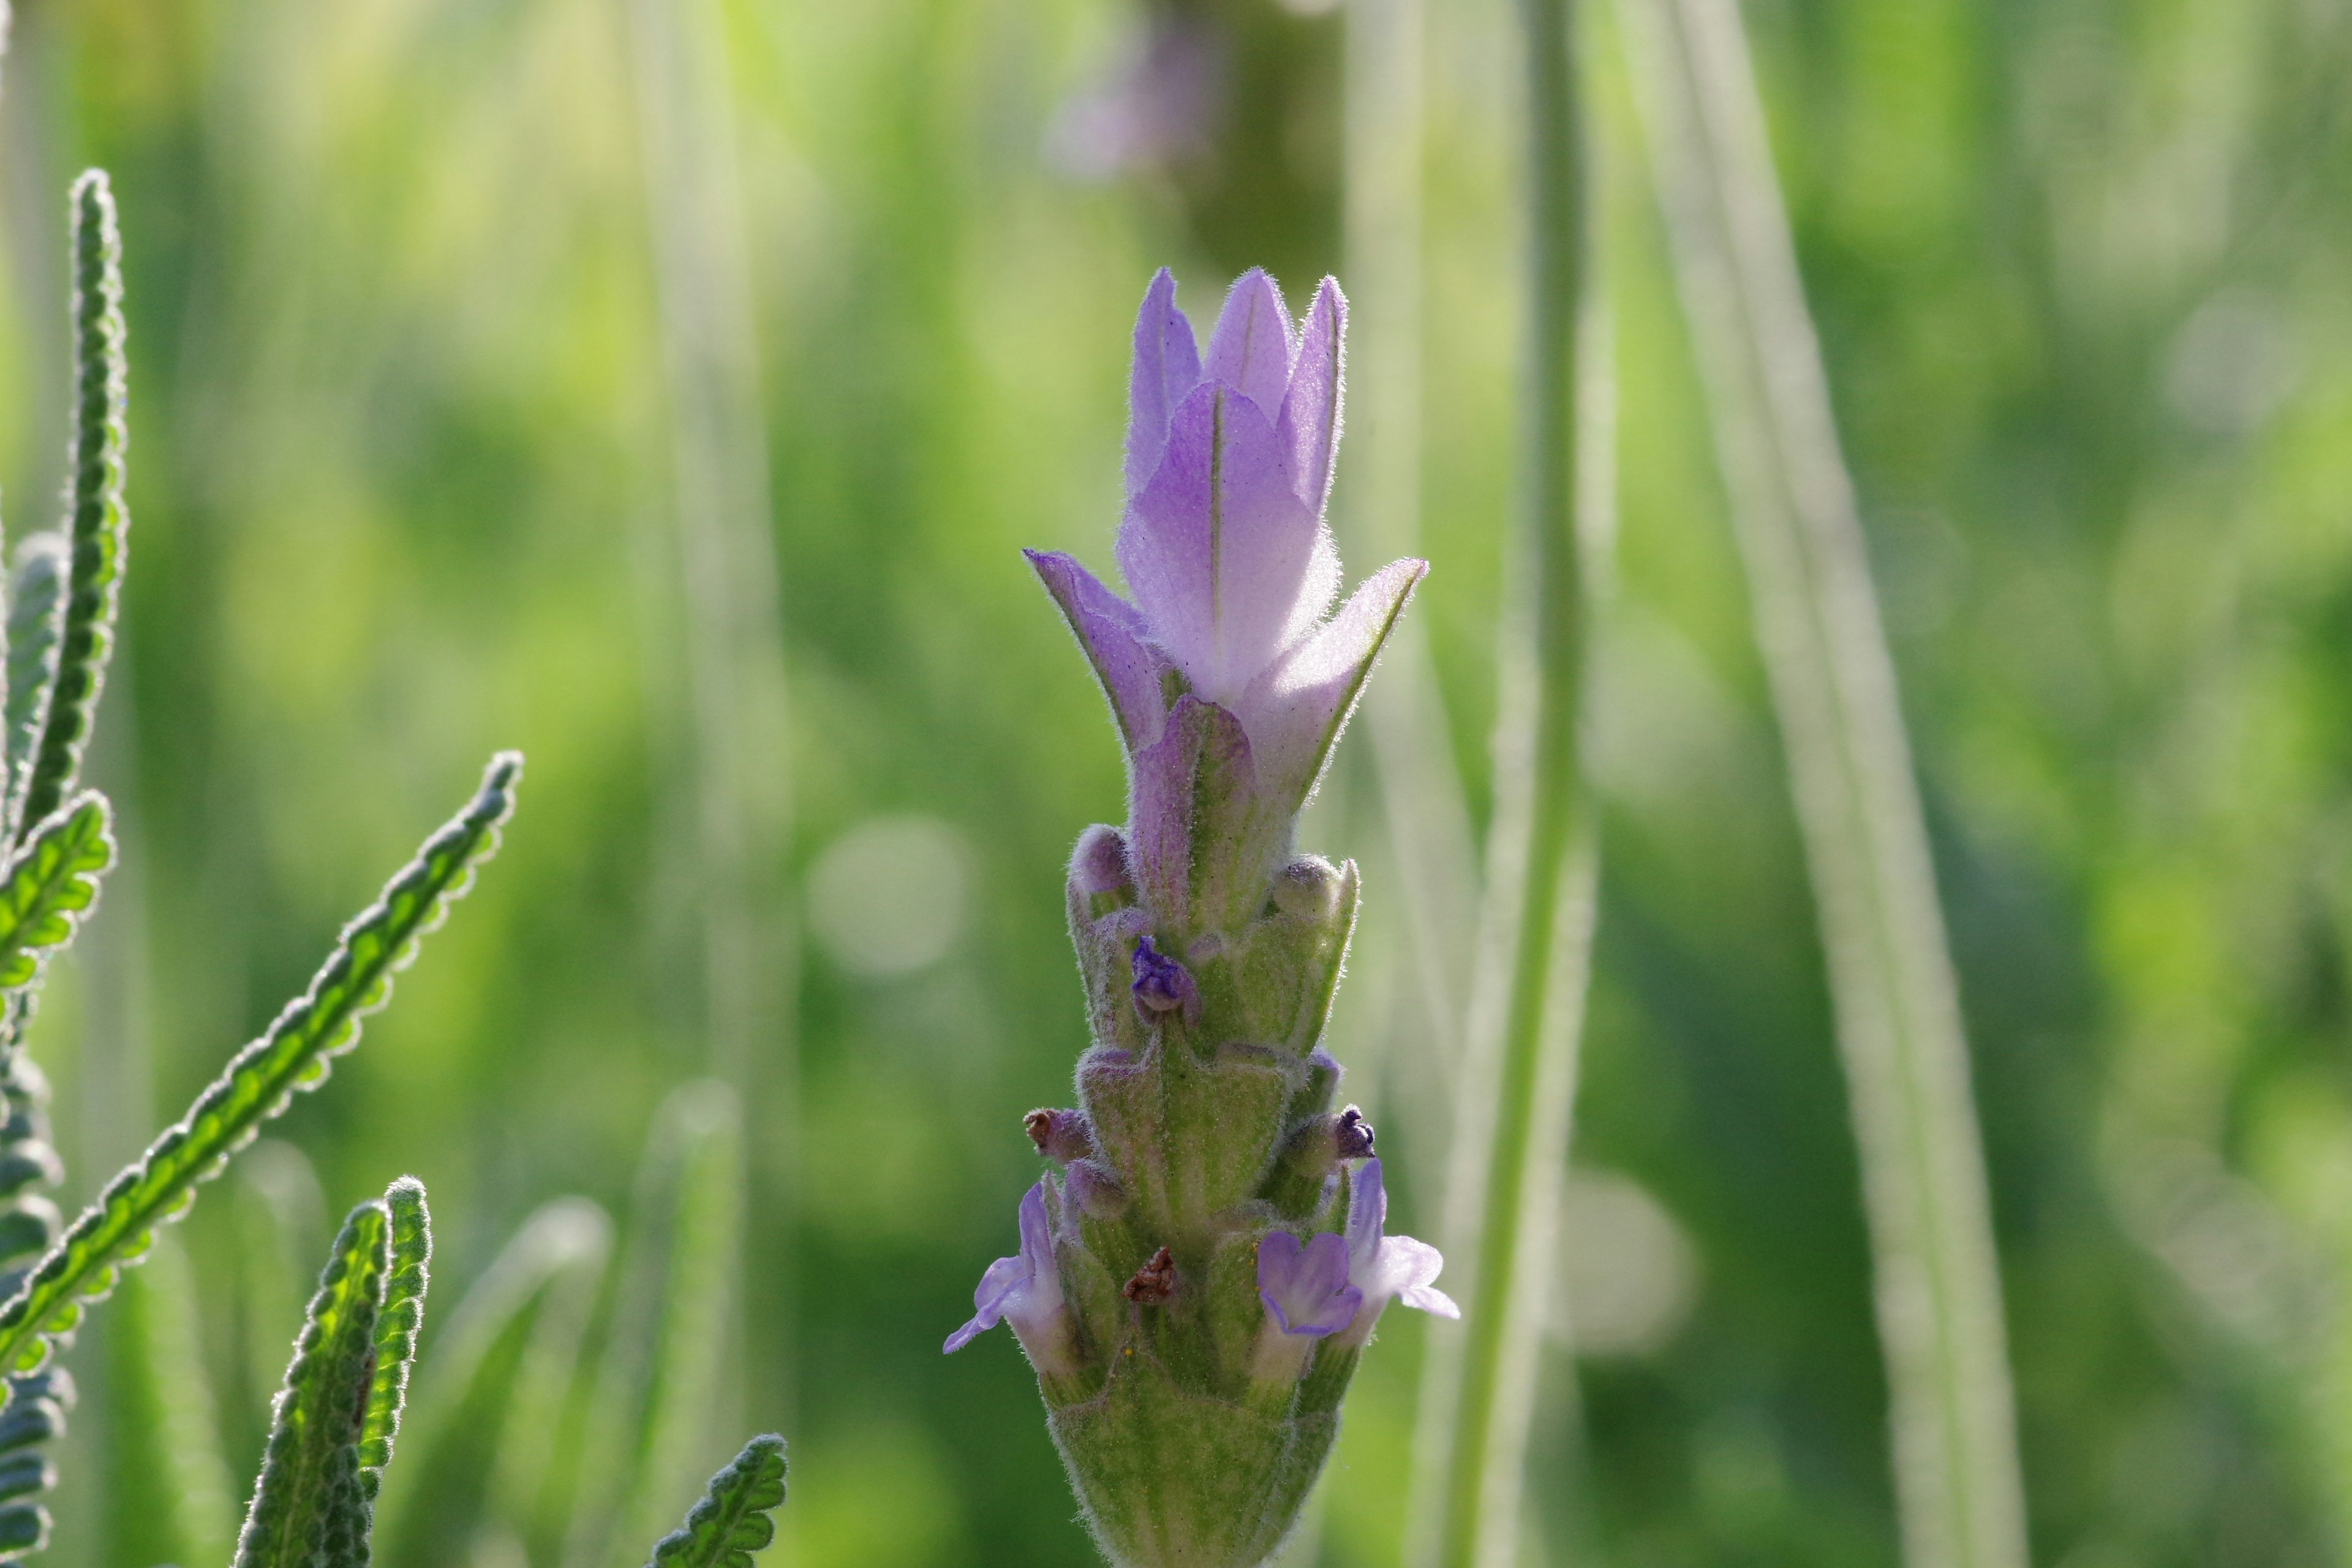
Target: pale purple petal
(1025, 1289)
(1116, 643)
(1295, 711)
(1407, 1269)
(1166, 366)
(1309, 425)
(1227, 564)
(1307, 1289)
(1251, 350)
(1368, 1218)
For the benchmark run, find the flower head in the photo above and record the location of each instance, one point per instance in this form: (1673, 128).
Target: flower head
(1229, 463)
(1024, 1290)
(1383, 1266)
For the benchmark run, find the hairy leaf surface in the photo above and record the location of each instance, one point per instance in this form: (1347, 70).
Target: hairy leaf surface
(37, 583)
(732, 1521)
(308, 1507)
(97, 521)
(51, 885)
(397, 1329)
(294, 1055)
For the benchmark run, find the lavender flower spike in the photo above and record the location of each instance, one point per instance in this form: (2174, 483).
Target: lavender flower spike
(1194, 1403)
(1383, 1266)
(1024, 1291)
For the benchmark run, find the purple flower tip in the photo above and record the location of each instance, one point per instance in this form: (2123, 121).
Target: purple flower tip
(1306, 1288)
(1384, 1266)
(1162, 984)
(1024, 1290)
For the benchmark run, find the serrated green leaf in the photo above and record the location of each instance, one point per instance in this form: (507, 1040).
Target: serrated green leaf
(732, 1521)
(51, 885)
(397, 1329)
(97, 519)
(36, 622)
(308, 1510)
(294, 1055)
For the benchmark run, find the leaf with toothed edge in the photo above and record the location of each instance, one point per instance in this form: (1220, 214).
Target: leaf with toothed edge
(308, 1505)
(97, 519)
(294, 1055)
(51, 885)
(397, 1329)
(732, 1521)
(37, 620)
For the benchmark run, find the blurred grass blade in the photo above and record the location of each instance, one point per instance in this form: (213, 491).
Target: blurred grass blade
(495, 1386)
(1424, 802)
(1832, 681)
(732, 1521)
(659, 1390)
(277, 1214)
(1518, 1083)
(396, 1328)
(97, 519)
(51, 885)
(295, 1055)
(37, 585)
(309, 1510)
(164, 1420)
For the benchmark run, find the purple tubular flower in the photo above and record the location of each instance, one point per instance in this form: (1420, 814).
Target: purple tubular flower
(1229, 464)
(1383, 1266)
(1024, 1291)
(1306, 1288)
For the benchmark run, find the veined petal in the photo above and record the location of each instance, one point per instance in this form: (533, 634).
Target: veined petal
(1251, 350)
(1306, 1288)
(1227, 564)
(1295, 711)
(1309, 425)
(1116, 643)
(1166, 366)
(1368, 1219)
(1406, 1270)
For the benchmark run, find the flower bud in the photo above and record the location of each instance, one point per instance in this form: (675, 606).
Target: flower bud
(1064, 1135)
(1162, 984)
(1100, 878)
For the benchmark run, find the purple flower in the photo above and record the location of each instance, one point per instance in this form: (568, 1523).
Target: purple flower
(1161, 983)
(1228, 466)
(1306, 1288)
(1024, 1291)
(1383, 1266)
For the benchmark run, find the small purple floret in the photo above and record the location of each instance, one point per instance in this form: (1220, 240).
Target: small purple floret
(1383, 1266)
(1024, 1291)
(1162, 984)
(1306, 1288)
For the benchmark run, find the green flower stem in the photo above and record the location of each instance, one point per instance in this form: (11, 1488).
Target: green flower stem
(1832, 681)
(1519, 1082)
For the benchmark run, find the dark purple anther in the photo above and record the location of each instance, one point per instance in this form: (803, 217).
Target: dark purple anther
(1162, 985)
(1353, 1135)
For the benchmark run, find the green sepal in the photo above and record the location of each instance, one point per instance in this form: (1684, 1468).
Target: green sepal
(1172, 1479)
(292, 1057)
(732, 1521)
(396, 1328)
(309, 1508)
(97, 519)
(1286, 967)
(51, 885)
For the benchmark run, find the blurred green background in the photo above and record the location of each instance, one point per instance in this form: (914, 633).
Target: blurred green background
(408, 453)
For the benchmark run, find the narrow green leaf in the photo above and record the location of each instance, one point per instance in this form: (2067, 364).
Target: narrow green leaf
(293, 1055)
(396, 1330)
(306, 1505)
(51, 885)
(37, 584)
(732, 1521)
(97, 520)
